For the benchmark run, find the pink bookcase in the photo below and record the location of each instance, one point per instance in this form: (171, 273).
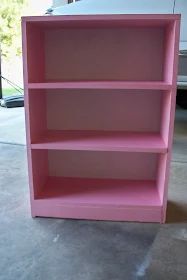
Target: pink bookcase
(100, 102)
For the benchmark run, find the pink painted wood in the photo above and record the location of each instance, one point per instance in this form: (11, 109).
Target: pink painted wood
(88, 110)
(101, 85)
(163, 173)
(99, 119)
(98, 164)
(100, 141)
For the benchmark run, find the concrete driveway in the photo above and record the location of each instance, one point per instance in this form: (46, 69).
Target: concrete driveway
(12, 125)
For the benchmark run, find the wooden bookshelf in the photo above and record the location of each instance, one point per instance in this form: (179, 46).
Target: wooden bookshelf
(100, 102)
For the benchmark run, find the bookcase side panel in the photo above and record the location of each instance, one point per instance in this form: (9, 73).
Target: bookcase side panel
(39, 170)
(165, 116)
(37, 113)
(35, 52)
(163, 177)
(169, 51)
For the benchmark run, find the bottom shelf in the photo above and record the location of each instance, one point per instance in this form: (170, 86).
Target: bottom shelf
(100, 199)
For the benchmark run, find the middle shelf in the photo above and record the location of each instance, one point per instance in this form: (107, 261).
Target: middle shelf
(136, 85)
(104, 120)
(101, 141)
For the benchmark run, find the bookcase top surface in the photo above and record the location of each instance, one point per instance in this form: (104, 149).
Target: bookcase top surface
(110, 17)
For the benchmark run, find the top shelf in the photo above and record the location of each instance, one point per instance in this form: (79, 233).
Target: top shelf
(77, 21)
(99, 52)
(157, 85)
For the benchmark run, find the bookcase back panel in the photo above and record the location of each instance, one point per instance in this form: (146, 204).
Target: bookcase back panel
(130, 166)
(124, 110)
(123, 53)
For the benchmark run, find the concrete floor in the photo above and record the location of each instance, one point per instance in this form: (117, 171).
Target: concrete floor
(55, 249)
(12, 126)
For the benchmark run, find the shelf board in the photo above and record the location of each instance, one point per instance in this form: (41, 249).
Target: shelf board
(99, 192)
(75, 20)
(101, 141)
(101, 85)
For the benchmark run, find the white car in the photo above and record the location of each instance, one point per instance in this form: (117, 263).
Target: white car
(134, 7)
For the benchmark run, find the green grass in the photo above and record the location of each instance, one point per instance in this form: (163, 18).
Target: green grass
(9, 91)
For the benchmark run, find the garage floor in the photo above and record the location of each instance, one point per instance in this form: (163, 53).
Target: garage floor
(58, 249)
